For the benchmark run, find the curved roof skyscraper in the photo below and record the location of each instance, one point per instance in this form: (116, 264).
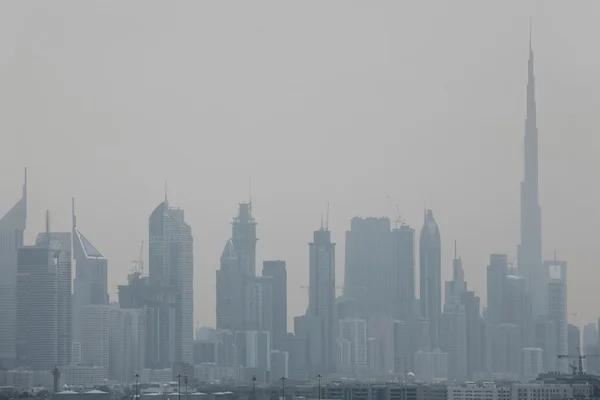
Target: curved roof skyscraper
(430, 275)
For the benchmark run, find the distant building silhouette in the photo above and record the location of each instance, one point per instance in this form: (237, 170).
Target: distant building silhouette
(430, 275)
(278, 272)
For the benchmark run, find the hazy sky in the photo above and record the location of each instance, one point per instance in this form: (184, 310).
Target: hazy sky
(334, 101)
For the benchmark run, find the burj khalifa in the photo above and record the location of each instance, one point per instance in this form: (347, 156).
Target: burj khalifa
(530, 249)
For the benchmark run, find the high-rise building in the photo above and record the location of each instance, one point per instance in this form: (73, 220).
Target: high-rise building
(278, 272)
(590, 335)
(127, 344)
(517, 307)
(91, 277)
(95, 330)
(321, 300)
(557, 308)
(354, 331)
(430, 275)
(12, 226)
(171, 269)
(497, 271)
(37, 311)
(230, 291)
(368, 266)
(530, 249)
(59, 244)
(403, 272)
(453, 338)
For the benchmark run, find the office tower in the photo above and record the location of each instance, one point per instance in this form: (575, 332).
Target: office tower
(557, 307)
(95, 336)
(590, 335)
(530, 249)
(496, 274)
(545, 337)
(264, 295)
(205, 351)
(278, 272)
(532, 363)
(453, 338)
(354, 331)
(243, 238)
(430, 275)
(403, 272)
(12, 226)
(403, 354)
(91, 276)
(59, 244)
(37, 310)
(475, 336)
(517, 307)
(321, 300)
(226, 349)
(573, 339)
(506, 351)
(381, 328)
(230, 291)
(368, 266)
(171, 276)
(127, 343)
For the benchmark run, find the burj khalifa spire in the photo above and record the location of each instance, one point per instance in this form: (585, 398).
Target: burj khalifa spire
(530, 249)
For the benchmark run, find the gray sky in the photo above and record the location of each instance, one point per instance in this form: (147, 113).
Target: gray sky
(337, 101)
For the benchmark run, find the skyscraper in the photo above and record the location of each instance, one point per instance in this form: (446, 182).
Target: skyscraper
(230, 291)
(171, 270)
(497, 271)
(59, 244)
(368, 266)
(277, 270)
(37, 311)
(12, 226)
(91, 277)
(321, 301)
(530, 249)
(403, 272)
(430, 275)
(557, 308)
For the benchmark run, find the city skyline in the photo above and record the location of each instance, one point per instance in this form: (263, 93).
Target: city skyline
(209, 214)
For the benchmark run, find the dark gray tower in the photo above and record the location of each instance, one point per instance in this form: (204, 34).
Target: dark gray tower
(530, 250)
(277, 270)
(430, 275)
(244, 238)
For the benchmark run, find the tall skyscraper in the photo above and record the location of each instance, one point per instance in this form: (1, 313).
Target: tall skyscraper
(321, 300)
(430, 275)
(277, 270)
(12, 226)
(530, 249)
(368, 266)
(37, 311)
(497, 271)
(59, 244)
(557, 308)
(91, 277)
(403, 272)
(172, 270)
(230, 291)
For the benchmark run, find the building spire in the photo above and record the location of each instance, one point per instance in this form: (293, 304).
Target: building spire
(166, 201)
(73, 213)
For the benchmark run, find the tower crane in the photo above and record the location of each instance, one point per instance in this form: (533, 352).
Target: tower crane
(579, 357)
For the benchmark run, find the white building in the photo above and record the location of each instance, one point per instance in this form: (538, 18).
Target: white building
(549, 391)
(473, 391)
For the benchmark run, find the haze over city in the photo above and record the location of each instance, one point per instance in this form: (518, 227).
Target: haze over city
(346, 104)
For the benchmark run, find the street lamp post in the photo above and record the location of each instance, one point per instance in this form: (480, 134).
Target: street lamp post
(254, 386)
(179, 387)
(137, 386)
(283, 387)
(319, 379)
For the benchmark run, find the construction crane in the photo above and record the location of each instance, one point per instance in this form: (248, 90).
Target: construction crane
(579, 357)
(398, 221)
(138, 265)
